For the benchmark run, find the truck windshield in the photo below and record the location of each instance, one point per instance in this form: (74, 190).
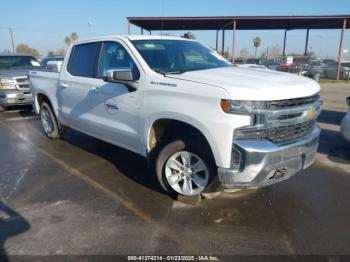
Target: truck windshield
(178, 56)
(18, 62)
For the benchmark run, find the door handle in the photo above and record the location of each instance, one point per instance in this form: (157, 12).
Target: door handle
(64, 85)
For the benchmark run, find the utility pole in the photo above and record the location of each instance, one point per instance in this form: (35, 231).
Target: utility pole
(13, 45)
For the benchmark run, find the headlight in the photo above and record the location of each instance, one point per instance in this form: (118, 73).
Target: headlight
(242, 107)
(7, 83)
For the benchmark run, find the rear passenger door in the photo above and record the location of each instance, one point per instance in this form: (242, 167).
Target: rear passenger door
(76, 86)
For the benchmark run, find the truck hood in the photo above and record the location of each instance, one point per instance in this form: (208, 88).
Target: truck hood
(254, 83)
(14, 73)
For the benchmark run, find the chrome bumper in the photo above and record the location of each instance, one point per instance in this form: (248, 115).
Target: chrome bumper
(14, 97)
(266, 163)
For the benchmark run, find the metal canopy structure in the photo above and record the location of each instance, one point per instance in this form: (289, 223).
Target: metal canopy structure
(245, 23)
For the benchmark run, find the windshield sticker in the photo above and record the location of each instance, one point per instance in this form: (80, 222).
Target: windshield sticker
(35, 63)
(163, 84)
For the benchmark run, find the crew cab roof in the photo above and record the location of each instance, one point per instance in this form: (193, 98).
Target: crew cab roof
(130, 38)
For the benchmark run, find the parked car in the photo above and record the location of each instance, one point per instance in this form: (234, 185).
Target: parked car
(193, 115)
(44, 62)
(345, 124)
(238, 61)
(271, 64)
(14, 83)
(330, 71)
(256, 61)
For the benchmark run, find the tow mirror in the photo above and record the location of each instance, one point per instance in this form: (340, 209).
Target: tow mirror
(119, 75)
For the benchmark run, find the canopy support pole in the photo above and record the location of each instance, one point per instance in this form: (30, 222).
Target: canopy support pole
(234, 41)
(284, 43)
(223, 42)
(306, 41)
(341, 48)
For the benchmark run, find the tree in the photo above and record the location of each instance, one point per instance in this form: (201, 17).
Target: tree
(26, 49)
(71, 38)
(50, 53)
(189, 35)
(257, 43)
(243, 54)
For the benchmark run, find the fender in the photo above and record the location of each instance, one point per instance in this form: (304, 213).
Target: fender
(182, 118)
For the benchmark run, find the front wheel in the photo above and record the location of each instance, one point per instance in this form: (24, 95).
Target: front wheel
(48, 121)
(183, 168)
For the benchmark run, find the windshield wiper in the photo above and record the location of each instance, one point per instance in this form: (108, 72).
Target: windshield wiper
(175, 72)
(159, 71)
(169, 73)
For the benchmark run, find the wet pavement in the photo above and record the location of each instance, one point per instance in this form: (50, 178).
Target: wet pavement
(82, 196)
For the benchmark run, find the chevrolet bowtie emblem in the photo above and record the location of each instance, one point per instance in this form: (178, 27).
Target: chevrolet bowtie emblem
(310, 113)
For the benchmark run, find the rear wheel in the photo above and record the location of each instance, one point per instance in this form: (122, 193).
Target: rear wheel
(48, 121)
(182, 168)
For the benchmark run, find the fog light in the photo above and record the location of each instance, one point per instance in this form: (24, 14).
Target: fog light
(236, 159)
(11, 100)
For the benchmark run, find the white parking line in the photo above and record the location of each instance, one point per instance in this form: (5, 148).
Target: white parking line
(19, 118)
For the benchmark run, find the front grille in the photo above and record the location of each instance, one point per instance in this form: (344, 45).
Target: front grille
(282, 104)
(24, 86)
(285, 134)
(284, 121)
(23, 82)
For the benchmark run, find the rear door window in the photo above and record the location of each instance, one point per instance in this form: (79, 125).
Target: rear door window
(84, 60)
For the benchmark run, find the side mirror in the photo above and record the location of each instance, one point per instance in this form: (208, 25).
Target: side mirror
(119, 75)
(348, 100)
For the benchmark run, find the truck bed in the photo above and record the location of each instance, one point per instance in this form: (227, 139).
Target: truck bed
(43, 82)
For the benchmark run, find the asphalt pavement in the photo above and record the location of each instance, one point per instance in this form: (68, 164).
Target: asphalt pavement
(82, 196)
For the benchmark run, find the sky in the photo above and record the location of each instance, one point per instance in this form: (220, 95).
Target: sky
(43, 24)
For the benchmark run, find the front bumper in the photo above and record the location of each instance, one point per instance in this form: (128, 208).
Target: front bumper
(266, 163)
(15, 97)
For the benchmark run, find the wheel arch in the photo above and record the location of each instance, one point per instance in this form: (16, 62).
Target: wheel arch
(163, 128)
(40, 98)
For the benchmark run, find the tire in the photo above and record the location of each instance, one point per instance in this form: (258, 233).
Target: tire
(178, 175)
(48, 121)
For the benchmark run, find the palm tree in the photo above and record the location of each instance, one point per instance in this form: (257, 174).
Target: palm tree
(71, 38)
(256, 42)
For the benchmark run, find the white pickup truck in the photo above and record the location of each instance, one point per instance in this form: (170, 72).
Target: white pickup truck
(179, 104)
